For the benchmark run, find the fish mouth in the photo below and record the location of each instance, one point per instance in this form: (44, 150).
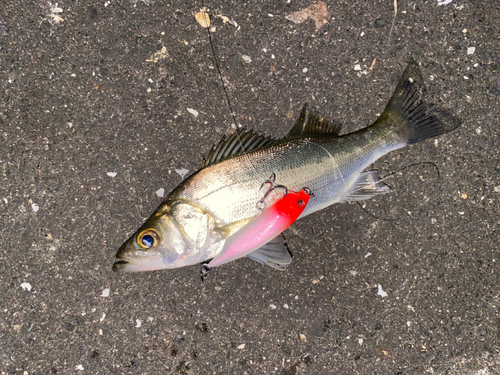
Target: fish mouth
(120, 266)
(152, 263)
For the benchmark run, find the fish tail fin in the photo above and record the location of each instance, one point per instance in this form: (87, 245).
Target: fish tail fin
(417, 118)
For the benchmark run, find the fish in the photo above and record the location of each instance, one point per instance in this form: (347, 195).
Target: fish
(262, 229)
(193, 223)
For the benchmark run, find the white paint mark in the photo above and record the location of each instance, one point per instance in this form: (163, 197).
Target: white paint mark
(380, 292)
(79, 367)
(357, 67)
(304, 70)
(272, 306)
(105, 293)
(160, 192)
(70, 124)
(471, 50)
(444, 2)
(368, 254)
(194, 112)
(241, 346)
(137, 323)
(182, 172)
(111, 174)
(26, 286)
(35, 207)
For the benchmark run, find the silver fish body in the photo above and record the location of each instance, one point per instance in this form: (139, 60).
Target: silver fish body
(194, 221)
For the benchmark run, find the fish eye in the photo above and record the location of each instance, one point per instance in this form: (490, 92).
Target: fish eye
(300, 202)
(148, 238)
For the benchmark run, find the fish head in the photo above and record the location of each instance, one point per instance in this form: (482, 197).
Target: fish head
(176, 235)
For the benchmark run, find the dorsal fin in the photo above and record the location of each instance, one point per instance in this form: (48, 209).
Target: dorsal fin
(314, 127)
(240, 141)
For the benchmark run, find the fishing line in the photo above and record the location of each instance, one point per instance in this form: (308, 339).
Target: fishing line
(233, 115)
(390, 175)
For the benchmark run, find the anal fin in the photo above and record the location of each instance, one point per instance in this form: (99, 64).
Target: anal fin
(366, 186)
(274, 254)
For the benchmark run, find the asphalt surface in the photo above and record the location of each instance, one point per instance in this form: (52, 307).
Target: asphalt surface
(94, 121)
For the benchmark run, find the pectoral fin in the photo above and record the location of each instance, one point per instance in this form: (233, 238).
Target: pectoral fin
(274, 254)
(366, 186)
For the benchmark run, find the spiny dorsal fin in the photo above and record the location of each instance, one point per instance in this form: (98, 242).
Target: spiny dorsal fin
(238, 142)
(314, 127)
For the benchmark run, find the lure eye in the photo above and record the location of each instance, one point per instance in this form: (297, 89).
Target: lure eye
(148, 238)
(300, 202)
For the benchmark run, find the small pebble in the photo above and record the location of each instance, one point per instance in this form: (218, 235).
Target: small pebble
(246, 59)
(194, 112)
(182, 172)
(160, 192)
(380, 292)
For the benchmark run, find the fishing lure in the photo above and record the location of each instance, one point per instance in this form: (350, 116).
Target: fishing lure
(262, 229)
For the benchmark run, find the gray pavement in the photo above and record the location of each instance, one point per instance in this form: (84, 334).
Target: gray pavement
(94, 122)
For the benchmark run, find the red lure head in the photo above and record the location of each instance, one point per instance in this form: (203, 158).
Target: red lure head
(293, 203)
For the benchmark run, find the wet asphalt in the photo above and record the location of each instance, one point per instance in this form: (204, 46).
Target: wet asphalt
(104, 105)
